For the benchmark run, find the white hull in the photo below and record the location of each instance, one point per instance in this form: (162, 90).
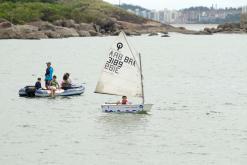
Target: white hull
(109, 108)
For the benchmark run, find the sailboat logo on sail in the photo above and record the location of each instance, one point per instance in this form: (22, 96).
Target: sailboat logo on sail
(119, 45)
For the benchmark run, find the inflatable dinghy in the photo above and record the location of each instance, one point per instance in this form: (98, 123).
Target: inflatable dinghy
(30, 91)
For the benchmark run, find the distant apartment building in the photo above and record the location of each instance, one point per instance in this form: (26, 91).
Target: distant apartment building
(243, 21)
(164, 16)
(144, 14)
(244, 9)
(154, 15)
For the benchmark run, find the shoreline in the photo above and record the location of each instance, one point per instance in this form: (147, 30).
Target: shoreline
(69, 28)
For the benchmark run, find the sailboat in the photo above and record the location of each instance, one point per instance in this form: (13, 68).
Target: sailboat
(122, 76)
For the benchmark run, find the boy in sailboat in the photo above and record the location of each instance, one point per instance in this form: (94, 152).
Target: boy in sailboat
(124, 101)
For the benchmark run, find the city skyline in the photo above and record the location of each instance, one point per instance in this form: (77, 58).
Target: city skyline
(192, 15)
(178, 4)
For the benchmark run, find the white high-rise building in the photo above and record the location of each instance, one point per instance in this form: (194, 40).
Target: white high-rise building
(174, 16)
(244, 9)
(144, 13)
(131, 11)
(156, 15)
(167, 16)
(137, 11)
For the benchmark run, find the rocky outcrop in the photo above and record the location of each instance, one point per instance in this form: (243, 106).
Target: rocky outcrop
(41, 29)
(58, 29)
(53, 31)
(112, 26)
(226, 28)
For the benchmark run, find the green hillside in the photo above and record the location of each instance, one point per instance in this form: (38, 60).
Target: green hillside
(87, 11)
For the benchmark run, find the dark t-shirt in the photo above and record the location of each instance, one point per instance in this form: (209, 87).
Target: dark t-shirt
(37, 85)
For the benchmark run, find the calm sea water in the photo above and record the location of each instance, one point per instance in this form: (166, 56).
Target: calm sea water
(198, 85)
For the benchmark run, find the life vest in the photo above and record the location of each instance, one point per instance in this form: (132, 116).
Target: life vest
(124, 101)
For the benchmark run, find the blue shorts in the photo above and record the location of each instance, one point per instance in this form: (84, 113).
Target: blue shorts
(47, 82)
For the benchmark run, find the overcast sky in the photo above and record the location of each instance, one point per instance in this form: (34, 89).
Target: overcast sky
(178, 4)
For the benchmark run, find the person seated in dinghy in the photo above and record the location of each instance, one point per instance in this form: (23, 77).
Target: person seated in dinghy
(124, 101)
(66, 83)
(38, 84)
(54, 85)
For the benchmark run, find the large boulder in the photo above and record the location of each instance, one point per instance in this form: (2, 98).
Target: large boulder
(97, 28)
(67, 23)
(66, 32)
(208, 30)
(35, 35)
(86, 27)
(164, 32)
(8, 33)
(217, 30)
(26, 28)
(43, 26)
(117, 27)
(182, 28)
(165, 35)
(83, 33)
(94, 33)
(5, 24)
(52, 34)
(116, 33)
(21, 32)
(132, 33)
(108, 26)
(3, 20)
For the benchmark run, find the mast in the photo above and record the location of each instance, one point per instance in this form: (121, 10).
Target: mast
(143, 98)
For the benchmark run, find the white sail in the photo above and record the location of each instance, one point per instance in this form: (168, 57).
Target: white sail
(121, 73)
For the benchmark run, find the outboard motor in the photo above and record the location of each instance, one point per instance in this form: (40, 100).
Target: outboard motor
(30, 91)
